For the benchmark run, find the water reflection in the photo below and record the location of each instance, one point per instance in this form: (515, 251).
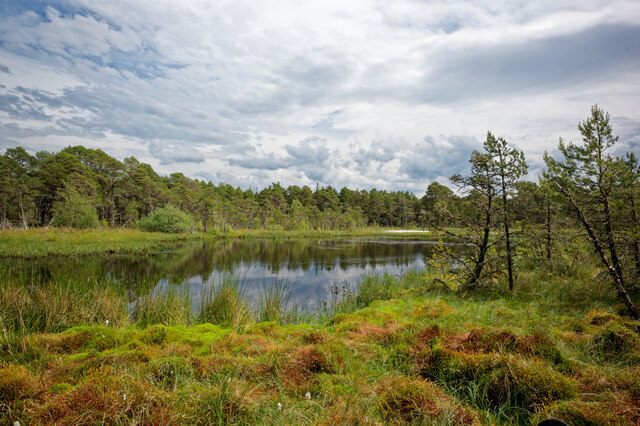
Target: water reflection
(309, 267)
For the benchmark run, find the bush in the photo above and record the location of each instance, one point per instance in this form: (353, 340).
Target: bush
(74, 211)
(167, 219)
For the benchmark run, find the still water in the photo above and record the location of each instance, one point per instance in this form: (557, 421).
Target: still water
(309, 268)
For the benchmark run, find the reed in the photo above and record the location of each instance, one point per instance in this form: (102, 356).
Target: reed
(225, 303)
(273, 301)
(167, 305)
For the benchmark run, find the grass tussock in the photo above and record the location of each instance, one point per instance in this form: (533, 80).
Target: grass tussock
(169, 306)
(224, 303)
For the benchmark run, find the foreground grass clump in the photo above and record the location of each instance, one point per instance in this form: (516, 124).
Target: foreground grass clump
(424, 356)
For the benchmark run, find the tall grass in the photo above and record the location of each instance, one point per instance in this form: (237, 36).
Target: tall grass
(169, 306)
(58, 305)
(273, 301)
(225, 303)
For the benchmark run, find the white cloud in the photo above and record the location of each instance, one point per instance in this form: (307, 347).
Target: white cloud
(351, 93)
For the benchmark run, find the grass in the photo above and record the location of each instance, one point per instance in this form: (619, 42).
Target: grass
(390, 350)
(38, 242)
(224, 303)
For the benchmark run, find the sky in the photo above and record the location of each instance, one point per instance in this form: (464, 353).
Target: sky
(357, 93)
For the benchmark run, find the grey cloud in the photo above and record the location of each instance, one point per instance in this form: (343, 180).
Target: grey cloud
(438, 157)
(5, 69)
(22, 107)
(312, 156)
(170, 152)
(266, 162)
(539, 64)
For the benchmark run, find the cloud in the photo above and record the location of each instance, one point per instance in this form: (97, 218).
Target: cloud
(171, 152)
(266, 162)
(525, 66)
(436, 157)
(337, 93)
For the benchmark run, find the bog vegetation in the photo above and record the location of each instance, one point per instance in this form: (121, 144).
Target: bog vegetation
(537, 318)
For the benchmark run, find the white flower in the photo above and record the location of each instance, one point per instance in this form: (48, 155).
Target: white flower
(229, 380)
(308, 395)
(279, 406)
(103, 335)
(124, 396)
(107, 322)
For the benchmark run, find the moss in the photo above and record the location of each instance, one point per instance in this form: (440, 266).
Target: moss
(106, 396)
(431, 309)
(169, 372)
(154, 335)
(17, 383)
(527, 384)
(300, 369)
(59, 388)
(420, 401)
(601, 317)
(617, 342)
(580, 413)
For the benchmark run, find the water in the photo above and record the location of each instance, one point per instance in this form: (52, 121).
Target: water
(310, 268)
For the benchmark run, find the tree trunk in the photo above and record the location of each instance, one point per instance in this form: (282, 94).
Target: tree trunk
(4, 209)
(482, 249)
(634, 243)
(24, 218)
(548, 230)
(506, 234)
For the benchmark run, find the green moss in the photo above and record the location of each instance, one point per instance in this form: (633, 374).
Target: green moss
(580, 413)
(170, 372)
(618, 342)
(420, 402)
(527, 384)
(59, 388)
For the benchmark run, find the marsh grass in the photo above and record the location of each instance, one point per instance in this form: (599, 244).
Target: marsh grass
(225, 303)
(57, 305)
(273, 301)
(170, 305)
(37, 242)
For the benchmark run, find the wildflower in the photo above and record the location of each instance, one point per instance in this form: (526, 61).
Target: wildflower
(103, 335)
(124, 396)
(279, 407)
(107, 322)
(308, 395)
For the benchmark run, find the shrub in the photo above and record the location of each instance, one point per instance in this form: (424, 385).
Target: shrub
(74, 211)
(168, 219)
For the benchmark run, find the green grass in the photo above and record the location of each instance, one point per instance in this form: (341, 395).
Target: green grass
(34, 242)
(38, 242)
(390, 350)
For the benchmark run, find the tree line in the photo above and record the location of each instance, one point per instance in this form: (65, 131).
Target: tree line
(83, 188)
